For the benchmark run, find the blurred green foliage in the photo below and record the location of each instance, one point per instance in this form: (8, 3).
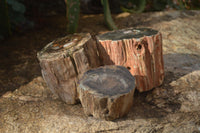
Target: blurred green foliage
(107, 15)
(4, 23)
(16, 12)
(190, 4)
(12, 14)
(133, 6)
(72, 12)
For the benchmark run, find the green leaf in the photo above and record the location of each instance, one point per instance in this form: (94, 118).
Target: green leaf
(16, 6)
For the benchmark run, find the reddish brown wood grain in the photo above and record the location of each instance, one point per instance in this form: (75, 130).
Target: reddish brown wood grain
(139, 50)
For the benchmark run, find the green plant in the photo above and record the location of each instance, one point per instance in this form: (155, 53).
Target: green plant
(73, 10)
(16, 12)
(189, 4)
(133, 6)
(4, 23)
(12, 17)
(107, 15)
(159, 5)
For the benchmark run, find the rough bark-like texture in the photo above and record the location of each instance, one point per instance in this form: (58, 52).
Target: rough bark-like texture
(171, 108)
(107, 92)
(64, 60)
(139, 50)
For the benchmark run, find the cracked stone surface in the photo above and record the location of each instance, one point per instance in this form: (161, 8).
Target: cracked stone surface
(172, 107)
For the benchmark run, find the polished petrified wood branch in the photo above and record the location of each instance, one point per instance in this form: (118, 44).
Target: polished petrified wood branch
(64, 60)
(107, 92)
(139, 50)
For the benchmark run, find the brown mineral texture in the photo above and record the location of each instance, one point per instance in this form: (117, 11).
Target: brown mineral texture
(139, 50)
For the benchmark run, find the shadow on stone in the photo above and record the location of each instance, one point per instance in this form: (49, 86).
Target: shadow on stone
(163, 100)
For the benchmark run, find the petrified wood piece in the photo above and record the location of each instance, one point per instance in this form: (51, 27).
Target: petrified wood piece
(139, 50)
(64, 60)
(107, 92)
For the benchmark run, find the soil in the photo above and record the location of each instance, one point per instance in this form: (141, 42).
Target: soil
(27, 105)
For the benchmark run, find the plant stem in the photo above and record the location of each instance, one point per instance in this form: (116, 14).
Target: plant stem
(107, 15)
(73, 10)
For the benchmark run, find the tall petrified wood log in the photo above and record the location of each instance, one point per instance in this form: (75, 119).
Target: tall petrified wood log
(64, 60)
(107, 92)
(139, 50)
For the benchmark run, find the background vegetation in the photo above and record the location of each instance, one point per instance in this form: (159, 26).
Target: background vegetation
(15, 14)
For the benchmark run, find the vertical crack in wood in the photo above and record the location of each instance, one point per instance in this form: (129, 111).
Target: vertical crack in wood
(76, 92)
(153, 60)
(146, 63)
(97, 49)
(152, 51)
(86, 53)
(74, 64)
(104, 108)
(143, 56)
(48, 79)
(53, 72)
(125, 53)
(162, 61)
(62, 68)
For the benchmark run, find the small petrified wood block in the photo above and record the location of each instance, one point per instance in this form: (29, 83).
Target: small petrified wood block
(139, 50)
(107, 92)
(64, 60)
